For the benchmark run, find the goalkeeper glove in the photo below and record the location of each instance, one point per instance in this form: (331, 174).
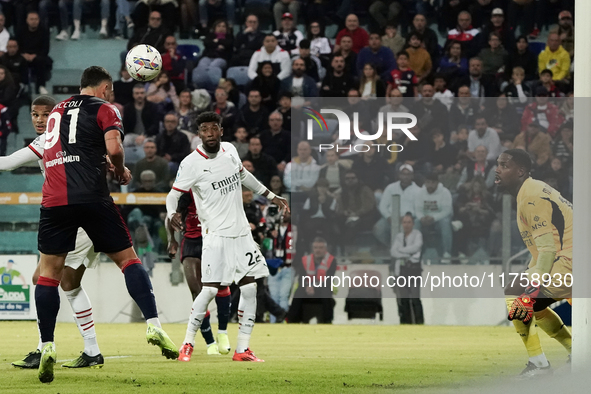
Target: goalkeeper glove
(523, 306)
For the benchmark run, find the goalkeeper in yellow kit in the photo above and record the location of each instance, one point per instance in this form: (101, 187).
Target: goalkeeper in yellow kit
(545, 221)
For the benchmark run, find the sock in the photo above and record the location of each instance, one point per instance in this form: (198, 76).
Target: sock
(223, 300)
(47, 300)
(206, 330)
(140, 288)
(552, 325)
(154, 321)
(530, 338)
(104, 23)
(198, 312)
(83, 316)
(247, 307)
(40, 344)
(76, 25)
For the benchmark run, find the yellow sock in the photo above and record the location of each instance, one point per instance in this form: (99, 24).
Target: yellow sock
(552, 325)
(528, 334)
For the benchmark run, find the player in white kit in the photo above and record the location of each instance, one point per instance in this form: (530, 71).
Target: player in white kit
(214, 174)
(76, 262)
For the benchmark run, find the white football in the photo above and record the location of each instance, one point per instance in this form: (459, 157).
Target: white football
(143, 62)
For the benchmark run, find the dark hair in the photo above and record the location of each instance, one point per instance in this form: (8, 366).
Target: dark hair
(93, 76)
(305, 44)
(185, 91)
(217, 22)
(416, 34)
(521, 158)
(44, 100)
(403, 53)
(480, 116)
(209, 117)
(375, 33)
(436, 131)
(432, 177)
(309, 30)
(7, 77)
(139, 85)
(439, 76)
(547, 71)
(450, 44)
(253, 90)
(410, 216)
(320, 240)
(269, 35)
(284, 94)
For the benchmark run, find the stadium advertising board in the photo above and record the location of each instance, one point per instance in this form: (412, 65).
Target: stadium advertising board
(16, 289)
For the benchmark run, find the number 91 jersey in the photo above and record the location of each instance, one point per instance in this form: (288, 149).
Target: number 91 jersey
(74, 156)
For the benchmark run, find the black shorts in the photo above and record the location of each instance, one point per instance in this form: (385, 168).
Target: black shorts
(102, 221)
(191, 247)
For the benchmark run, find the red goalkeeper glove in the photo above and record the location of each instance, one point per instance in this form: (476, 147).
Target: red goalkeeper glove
(523, 306)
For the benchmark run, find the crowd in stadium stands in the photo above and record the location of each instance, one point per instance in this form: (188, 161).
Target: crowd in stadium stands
(262, 59)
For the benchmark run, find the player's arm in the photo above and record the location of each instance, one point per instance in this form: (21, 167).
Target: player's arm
(117, 155)
(539, 218)
(185, 179)
(18, 159)
(257, 187)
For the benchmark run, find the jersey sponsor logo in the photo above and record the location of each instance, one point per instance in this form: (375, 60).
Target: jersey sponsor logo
(227, 185)
(62, 159)
(539, 225)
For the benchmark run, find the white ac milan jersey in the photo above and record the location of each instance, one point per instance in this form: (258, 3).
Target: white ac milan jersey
(38, 146)
(217, 189)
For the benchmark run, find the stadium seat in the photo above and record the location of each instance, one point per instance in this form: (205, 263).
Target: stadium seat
(238, 74)
(537, 47)
(189, 51)
(208, 78)
(364, 302)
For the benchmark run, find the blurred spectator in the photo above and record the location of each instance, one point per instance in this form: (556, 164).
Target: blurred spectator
(227, 110)
(152, 162)
(370, 84)
(141, 117)
(167, 13)
(430, 38)
(497, 25)
(356, 209)
(301, 173)
(480, 166)
(123, 14)
(555, 58)
(315, 266)
(247, 42)
(276, 186)
(333, 172)
(172, 145)
(283, 7)
(34, 45)
(4, 35)
(8, 106)
(216, 9)
(517, 91)
(403, 78)
(434, 210)
(486, 136)
(346, 50)
(254, 116)
(452, 65)
(272, 52)
(267, 84)
(373, 169)
(173, 63)
(337, 83)
(566, 31)
(443, 154)
(406, 251)
(384, 12)
(419, 59)
(123, 88)
(542, 111)
(299, 84)
(464, 109)
(494, 57)
(380, 56)
(465, 34)
(314, 67)
(265, 166)
(536, 142)
(430, 112)
(503, 117)
(77, 16)
(284, 109)
(449, 12)
(567, 109)
(280, 282)
(546, 80)
(358, 35)
(234, 94)
(217, 53)
(318, 217)
(557, 177)
(288, 37)
(277, 141)
(481, 85)
(15, 63)
(163, 93)
(392, 39)
(407, 190)
(319, 43)
(241, 141)
(442, 93)
(153, 34)
(521, 56)
(459, 139)
(187, 113)
(474, 210)
(416, 153)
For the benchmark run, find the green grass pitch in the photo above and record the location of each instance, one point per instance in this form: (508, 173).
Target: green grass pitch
(299, 358)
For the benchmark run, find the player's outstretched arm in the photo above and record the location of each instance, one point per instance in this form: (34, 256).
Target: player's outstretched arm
(172, 202)
(117, 155)
(17, 159)
(257, 187)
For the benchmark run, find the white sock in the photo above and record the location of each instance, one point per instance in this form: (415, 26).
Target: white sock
(198, 312)
(154, 321)
(247, 307)
(40, 344)
(83, 316)
(219, 332)
(43, 344)
(76, 25)
(104, 23)
(540, 361)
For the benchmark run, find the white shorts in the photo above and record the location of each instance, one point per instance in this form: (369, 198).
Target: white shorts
(226, 260)
(83, 254)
